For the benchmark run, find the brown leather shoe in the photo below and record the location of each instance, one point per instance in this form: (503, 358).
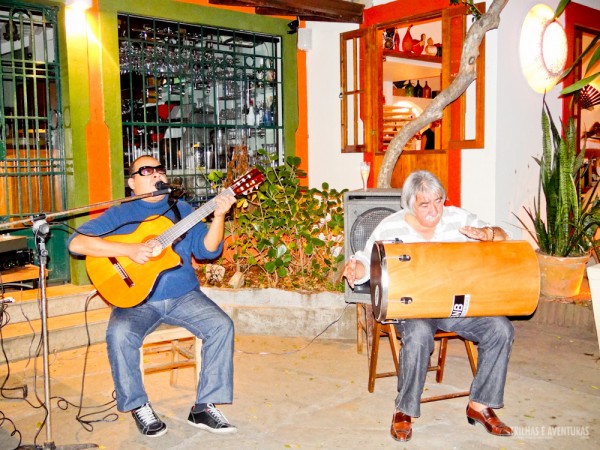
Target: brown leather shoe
(401, 427)
(488, 418)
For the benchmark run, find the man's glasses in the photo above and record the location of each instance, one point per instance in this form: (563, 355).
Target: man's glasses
(149, 170)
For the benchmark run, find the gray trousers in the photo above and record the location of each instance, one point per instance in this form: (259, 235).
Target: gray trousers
(494, 336)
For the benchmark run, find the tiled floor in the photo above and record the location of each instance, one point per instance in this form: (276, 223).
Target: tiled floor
(294, 394)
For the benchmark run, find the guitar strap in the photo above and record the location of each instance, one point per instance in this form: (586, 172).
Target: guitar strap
(177, 213)
(173, 205)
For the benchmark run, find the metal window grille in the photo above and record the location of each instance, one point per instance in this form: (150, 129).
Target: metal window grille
(32, 159)
(192, 95)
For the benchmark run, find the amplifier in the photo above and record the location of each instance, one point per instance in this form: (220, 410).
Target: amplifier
(10, 243)
(15, 258)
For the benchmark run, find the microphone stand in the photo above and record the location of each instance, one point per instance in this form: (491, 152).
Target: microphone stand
(40, 230)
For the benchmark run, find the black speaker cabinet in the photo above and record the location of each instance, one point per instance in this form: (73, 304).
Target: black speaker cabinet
(363, 210)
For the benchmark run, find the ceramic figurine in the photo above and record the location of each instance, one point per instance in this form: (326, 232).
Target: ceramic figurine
(407, 41)
(418, 45)
(430, 48)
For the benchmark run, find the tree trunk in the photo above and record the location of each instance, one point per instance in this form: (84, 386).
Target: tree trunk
(466, 75)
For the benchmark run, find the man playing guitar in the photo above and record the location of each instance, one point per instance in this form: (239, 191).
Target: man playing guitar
(175, 298)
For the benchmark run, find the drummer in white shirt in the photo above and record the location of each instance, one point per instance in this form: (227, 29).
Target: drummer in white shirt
(424, 218)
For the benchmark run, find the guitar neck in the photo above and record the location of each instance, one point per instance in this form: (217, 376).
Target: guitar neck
(184, 225)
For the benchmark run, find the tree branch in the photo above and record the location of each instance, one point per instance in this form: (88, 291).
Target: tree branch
(466, 75)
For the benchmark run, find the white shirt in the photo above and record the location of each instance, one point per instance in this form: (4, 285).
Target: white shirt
(395, 226)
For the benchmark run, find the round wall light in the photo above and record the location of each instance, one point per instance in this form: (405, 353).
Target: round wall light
(542, 48)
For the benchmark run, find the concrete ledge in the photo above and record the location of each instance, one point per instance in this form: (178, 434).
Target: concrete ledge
(287, 313)
(271, 312)
(577, 315)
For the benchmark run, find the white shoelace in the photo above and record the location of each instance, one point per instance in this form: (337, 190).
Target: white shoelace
(145, 414)
(216, 414)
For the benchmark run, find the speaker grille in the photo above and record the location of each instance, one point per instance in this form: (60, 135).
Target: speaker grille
(364, 225)
(363, 210)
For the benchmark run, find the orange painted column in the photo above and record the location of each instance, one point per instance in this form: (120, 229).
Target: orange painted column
(96, 131)
(302, 130)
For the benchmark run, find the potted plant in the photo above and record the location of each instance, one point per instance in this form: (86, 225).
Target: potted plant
(564, 229)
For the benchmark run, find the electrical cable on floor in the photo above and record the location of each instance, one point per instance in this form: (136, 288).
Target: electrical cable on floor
(64, 404)
(301, 348)
(4, 320)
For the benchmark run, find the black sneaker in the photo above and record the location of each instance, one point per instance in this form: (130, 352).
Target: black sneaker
(211, 419)
(148, 422)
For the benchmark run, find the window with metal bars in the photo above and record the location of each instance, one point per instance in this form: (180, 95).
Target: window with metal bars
(32, 159)
(193, 95)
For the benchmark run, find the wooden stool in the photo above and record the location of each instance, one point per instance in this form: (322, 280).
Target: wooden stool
(389, 330)
(176, 340)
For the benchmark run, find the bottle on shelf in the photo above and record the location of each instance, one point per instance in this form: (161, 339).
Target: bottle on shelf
(418, 90)
(396, 41)
(409, 89)
(426, 90)
(251, 115)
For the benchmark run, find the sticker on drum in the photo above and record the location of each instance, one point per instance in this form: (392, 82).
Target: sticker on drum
(460, 305)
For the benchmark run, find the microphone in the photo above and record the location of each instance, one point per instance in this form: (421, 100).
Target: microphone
(162, 188)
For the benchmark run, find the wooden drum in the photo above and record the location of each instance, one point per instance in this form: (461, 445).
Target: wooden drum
(453, 279)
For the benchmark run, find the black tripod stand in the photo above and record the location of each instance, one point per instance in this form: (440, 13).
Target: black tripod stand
(40, 232)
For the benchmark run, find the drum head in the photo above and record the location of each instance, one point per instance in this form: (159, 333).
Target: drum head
(364, 225)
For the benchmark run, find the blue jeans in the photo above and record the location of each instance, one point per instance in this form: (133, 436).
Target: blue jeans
(195, 312)
(494, 336)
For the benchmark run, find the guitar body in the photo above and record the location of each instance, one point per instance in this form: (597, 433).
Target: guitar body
(124, 283)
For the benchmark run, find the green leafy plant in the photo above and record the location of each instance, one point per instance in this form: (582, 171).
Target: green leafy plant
(292, 236)
(570, 223)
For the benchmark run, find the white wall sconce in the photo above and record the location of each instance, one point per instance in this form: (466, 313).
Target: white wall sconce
(81, 5)
(305, 39)
(542, 48)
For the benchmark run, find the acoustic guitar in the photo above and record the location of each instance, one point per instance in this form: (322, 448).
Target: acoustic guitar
(125, 283)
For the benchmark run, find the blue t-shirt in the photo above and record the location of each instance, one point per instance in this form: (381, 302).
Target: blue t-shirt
(172, 283)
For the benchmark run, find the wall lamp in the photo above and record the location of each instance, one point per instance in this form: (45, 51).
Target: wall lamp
(542, 48)
(81, 5)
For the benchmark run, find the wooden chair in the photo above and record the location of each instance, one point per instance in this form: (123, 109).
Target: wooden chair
(389, 331)
(179, 342)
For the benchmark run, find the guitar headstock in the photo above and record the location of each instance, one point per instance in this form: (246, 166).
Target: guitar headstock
(247, 182)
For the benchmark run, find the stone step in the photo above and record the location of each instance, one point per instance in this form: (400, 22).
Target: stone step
(65, 332)
(67, 319)
(63, 299)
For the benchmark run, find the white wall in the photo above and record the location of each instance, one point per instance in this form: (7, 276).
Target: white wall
(497, 181)
(326, 162)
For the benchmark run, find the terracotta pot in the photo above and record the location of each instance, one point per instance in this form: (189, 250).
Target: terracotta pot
(561, 276)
